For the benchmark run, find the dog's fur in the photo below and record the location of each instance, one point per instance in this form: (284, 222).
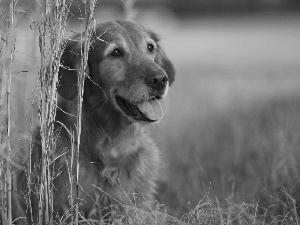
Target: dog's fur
(118, 159)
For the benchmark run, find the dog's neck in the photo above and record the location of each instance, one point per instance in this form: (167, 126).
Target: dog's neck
(111, 135)
(118, 138)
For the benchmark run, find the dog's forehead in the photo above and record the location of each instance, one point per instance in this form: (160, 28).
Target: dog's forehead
(123, 31)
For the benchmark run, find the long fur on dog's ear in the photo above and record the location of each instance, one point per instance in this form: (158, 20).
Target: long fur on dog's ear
(162, 60)
(68, 71)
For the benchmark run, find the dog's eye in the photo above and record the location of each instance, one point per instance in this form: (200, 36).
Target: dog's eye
(116, 53)
(150, 47)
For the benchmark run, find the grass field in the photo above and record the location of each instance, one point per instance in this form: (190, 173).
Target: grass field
(233, 119)
(231, 132)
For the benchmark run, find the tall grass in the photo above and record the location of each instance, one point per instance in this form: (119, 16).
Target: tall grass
(5, 110)
(51, 29)
(51, 33)
(89, 24)
(51, 46)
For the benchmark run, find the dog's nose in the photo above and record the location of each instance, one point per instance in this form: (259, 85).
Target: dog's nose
(158, 81)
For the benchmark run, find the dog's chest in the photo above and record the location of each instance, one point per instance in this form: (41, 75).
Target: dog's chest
(112, 172)
(108, 184)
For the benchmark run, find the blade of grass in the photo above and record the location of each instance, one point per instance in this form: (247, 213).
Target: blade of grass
(10, 51)
(89, 22)
(51, 33)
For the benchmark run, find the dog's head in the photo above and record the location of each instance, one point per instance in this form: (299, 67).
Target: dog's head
(126, 65)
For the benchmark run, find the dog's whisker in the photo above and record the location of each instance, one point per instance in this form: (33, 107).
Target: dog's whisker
(132, 98)
(170, 91)
(132, 87)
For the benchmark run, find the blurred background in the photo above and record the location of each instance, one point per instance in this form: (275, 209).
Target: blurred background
(232, 124)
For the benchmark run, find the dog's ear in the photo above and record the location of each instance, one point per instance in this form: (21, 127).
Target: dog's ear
(161, 58)
(69, 69)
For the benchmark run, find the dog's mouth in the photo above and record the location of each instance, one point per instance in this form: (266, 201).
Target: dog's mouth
(148, 110)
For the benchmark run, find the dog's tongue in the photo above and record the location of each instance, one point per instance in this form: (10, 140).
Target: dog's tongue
(151, 109)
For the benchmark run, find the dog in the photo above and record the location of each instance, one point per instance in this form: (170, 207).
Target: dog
(127, 76)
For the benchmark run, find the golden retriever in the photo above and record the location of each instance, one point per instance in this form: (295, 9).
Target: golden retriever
(128, 75)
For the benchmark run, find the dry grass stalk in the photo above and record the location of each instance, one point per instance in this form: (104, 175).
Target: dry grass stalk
(51, 33)
(11, 48)
(6, 73)
(89, 27)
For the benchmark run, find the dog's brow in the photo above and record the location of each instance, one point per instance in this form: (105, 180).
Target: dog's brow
(139, 39)
(117, 42)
